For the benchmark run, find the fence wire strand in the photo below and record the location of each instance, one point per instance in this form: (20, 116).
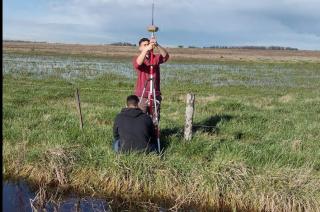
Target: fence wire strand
(100, 96)
(73, 86)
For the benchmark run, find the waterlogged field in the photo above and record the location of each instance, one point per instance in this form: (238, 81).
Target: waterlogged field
(256, 136)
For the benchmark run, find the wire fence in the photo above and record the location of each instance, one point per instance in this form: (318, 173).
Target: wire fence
(84, 96)
(74, 86)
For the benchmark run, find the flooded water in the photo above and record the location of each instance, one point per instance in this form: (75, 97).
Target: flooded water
(19, 196)
(73, 68)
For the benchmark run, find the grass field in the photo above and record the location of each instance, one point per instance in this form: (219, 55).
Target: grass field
(262, 152)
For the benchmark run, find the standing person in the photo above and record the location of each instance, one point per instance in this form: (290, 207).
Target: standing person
(141, 64)
(133, 129)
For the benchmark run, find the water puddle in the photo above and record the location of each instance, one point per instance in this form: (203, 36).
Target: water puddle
(20, 196)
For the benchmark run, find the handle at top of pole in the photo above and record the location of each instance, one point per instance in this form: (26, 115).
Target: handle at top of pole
(152, 28)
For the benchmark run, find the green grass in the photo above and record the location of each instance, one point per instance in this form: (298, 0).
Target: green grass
(262, 154)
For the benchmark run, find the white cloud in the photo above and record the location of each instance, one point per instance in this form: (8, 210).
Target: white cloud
(187, 21)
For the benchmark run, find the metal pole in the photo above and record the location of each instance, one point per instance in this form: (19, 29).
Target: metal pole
(152, 94)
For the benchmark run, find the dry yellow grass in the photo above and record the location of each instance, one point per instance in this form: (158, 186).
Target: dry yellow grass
(286, 98)
(175, 53)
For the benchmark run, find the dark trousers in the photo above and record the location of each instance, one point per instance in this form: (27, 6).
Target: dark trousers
(116, 146)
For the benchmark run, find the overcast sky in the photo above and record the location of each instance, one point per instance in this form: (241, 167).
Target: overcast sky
(294, 23)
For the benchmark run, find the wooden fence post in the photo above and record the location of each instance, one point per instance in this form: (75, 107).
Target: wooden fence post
(189, 117)
(79, 108)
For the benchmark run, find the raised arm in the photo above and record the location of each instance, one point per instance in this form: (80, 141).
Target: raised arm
(143, 53)
(162, 50)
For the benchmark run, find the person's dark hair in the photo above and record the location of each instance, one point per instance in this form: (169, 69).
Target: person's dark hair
(143, 40)
(132, 100)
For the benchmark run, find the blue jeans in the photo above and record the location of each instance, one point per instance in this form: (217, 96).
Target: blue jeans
(116, 145)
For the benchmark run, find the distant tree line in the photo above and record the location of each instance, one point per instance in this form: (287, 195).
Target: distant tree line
(24, 41)
(122, 44)
(190, 47)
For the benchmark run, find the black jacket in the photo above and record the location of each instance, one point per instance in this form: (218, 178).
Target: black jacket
(135, 130)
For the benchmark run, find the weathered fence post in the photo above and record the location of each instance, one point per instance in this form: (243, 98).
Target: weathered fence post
(79, 108)
(189, 116)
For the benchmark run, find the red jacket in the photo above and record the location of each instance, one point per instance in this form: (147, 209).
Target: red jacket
(143, 72)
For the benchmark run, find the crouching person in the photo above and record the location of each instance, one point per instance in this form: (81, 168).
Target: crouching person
(133, 129)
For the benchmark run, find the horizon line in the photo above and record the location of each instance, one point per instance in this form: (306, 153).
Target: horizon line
(165, 45)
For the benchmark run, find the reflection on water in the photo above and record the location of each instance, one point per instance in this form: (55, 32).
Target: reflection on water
(18, 196)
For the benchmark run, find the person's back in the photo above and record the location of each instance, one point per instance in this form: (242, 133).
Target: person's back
(133, 129)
